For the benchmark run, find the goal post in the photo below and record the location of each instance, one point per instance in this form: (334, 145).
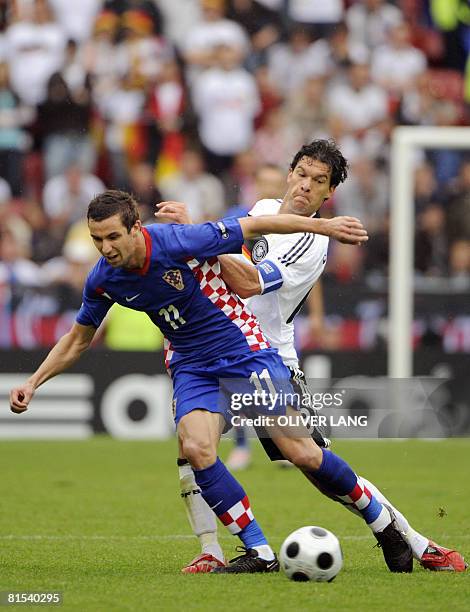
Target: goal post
(405, 140)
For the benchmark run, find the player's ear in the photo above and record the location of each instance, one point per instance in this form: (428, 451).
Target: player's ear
(331, 191)
(137, 227)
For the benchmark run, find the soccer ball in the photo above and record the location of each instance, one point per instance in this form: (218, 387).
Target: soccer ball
(311, 553)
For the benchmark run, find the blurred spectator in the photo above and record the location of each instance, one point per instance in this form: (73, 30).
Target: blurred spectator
(364, 195)
(121, 109)
(180, 17)
(342, 50)
(63, 123)
(141, 10)
(97, 54)
(139, 49)
(397, 64)
(262, 24)
(166, 109)
(36, 46)
(240, 180)
(269, 94)
(14, 140)
(431, 248)
(17, 272)
(277, 141)
(369, 21)
(308, 108)
(212, 32)
(270, 182)
(144, 190)
(292, 62)
(76, 18)
(202, 192)
(459, 259)
(360, 103)
(66, 198)
(5, 11)
(226, 102)
(422, 104)
(425, 187)
(458, 206)
(5, 195)
(70, 269)
(318, 16)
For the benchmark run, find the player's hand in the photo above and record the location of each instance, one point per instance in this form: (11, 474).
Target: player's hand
(20, 398)
(347, 230)
(173, 212)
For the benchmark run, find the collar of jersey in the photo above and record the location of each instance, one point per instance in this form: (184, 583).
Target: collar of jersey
(148, 254)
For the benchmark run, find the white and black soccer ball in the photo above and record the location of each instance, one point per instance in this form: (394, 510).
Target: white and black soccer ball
(311, 553)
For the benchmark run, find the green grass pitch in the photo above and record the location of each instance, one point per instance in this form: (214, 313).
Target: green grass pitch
(102, 522)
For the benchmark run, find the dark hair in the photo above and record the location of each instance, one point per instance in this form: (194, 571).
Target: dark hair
(327, 152)
(113, 202)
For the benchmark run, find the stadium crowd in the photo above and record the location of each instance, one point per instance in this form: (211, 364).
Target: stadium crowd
(184, 100)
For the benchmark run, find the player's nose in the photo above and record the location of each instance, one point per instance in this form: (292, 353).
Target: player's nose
(106, 248)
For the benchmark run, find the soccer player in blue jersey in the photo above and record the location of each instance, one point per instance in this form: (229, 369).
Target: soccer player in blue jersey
(210, 336)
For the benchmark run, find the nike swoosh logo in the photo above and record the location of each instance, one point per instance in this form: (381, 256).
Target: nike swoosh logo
(217, 504)
(131, 299)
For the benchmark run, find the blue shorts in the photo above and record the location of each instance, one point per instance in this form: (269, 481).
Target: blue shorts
(212, 386)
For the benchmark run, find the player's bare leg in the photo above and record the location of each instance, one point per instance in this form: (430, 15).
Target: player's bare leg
(334, 477)
(198, 434)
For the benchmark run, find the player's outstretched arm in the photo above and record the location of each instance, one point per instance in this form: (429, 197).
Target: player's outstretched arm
(64, 354)
(347, 230)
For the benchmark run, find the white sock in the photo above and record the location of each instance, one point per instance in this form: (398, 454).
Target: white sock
(200, 516)
(265, 552)
(418, 542)
(383, 520)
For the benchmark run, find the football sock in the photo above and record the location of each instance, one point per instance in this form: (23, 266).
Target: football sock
(226, 497)
(417, 542)
(200, 516)
(336, 478)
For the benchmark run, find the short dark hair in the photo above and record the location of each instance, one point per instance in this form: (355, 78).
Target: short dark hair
(327, 152)
(113, 202)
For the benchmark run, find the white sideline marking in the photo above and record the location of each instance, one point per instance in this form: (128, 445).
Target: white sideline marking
(177, 536)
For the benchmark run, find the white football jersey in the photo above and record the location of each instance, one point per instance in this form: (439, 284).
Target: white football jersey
(289, 266)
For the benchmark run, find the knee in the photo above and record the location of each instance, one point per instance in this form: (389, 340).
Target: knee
(305, 456)
(199, 453)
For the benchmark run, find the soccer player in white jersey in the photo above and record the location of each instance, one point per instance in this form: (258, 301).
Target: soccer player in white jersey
(275, 299)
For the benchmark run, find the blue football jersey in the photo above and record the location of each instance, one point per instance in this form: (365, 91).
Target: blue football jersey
(180, 288)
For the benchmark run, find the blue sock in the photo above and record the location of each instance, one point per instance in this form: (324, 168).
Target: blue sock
(337, 478)
(230, 503)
